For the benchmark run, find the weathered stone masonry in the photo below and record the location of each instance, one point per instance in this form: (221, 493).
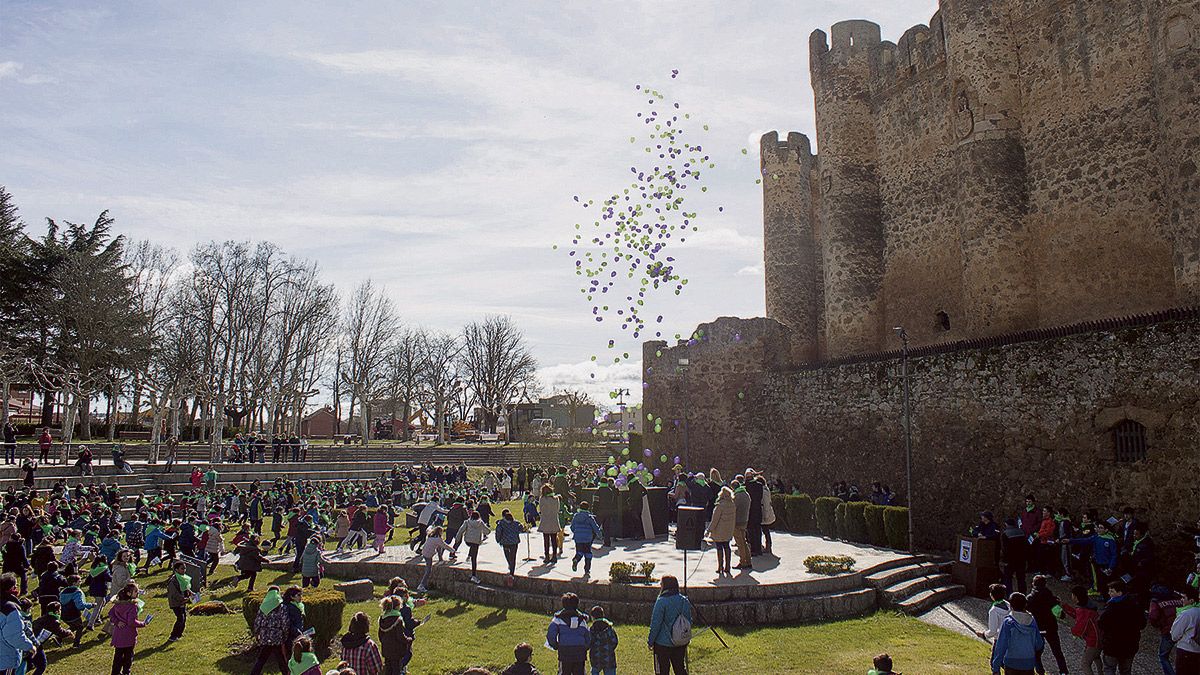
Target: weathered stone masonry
(996, 182)
(1015, 164)
(1033, 413)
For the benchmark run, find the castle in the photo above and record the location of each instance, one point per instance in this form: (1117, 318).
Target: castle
(1017, 185)
(1013, 165)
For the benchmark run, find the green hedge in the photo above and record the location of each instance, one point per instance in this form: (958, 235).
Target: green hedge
(895, 524)
(824, 512)
(323, 610)
(876, 534)
(839, 521)
(800, 514)
(781, 524)
(856, 522)
(793, 513)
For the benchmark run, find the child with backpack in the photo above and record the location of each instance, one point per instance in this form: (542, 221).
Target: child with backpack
(1085, 628)
(670, 628)
(603, 650)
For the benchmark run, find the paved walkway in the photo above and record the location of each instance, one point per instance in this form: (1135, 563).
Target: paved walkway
(967, 615)
(784, 567)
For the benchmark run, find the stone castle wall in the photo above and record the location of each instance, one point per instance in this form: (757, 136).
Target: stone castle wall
(1031, 413)
(1014, 164)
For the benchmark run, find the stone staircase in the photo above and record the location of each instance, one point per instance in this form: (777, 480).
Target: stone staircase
(916, 586)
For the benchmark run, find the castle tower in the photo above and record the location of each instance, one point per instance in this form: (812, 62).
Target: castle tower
(991, 198)
(851, 218)
(789, 238)
(1177, 60)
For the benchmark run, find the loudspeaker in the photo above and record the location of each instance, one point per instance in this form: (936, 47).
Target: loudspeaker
(689, 528)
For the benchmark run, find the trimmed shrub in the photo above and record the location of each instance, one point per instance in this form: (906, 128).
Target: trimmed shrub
(839, 522)
(824, 512)
(876, 534)
(828, 564)
(800, 514)
(621, 572)
(782, 521)
(895, 525)
(210, 608)
(323, 611)
(856, 522)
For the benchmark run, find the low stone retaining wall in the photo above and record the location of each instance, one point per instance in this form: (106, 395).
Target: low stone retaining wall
(837, 597)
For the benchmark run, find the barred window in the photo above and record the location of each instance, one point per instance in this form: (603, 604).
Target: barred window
(1129, 441)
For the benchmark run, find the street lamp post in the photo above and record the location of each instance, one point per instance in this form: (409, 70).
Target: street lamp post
(687, 456)
(912, 547)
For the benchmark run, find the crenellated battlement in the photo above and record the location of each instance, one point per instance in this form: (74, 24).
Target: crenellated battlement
(920, 49)
(796, 151)
(998, 103)
(851, 41)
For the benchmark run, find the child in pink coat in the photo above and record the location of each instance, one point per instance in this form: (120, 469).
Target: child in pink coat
(125, 627)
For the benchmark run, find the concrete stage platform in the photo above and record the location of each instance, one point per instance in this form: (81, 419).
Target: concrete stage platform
(779, 589)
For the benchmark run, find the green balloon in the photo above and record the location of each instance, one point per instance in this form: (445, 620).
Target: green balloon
(575, 462)
(663, 459)
(625, 451)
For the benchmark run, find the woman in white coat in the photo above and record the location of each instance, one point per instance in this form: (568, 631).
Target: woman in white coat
(549, 526)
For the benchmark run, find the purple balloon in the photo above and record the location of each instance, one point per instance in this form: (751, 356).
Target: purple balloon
(647, 452)
(677, 459)
(657, 472)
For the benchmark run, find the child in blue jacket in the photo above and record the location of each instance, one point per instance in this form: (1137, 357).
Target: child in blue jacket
(1105, 553)
(584, 530)
(570, 636)
(73, 606)
(1020, 642)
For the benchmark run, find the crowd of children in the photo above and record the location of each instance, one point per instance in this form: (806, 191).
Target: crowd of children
(1117, 588)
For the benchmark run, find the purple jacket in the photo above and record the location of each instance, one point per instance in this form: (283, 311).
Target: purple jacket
(125, 623)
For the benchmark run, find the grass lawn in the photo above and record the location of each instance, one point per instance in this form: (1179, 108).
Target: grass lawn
(461, 635)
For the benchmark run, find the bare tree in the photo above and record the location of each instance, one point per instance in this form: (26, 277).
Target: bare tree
(576, 402)
(497, 364)
(439, 376)
(368, 325)
(404, 364)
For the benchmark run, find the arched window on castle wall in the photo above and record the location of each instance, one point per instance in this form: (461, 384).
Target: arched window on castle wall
(1129, 441)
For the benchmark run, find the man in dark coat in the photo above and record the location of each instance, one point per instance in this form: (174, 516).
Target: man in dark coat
(606, 509)
(1014, 556)
(754, 526)
(1121, 623)
(304, 528)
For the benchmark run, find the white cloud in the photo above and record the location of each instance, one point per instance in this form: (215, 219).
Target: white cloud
(751, 271)
(9, 68)
(596, 379)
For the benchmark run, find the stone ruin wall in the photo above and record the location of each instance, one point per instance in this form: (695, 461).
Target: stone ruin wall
(990, 423)
(1014, 164)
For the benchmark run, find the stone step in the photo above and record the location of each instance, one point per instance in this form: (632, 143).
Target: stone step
(894, 575)
(928, 599)
(896, 593)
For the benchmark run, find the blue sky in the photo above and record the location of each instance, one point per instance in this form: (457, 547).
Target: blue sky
(434, 147)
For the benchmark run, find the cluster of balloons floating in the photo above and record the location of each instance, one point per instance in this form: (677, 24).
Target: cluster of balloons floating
(623, 256)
